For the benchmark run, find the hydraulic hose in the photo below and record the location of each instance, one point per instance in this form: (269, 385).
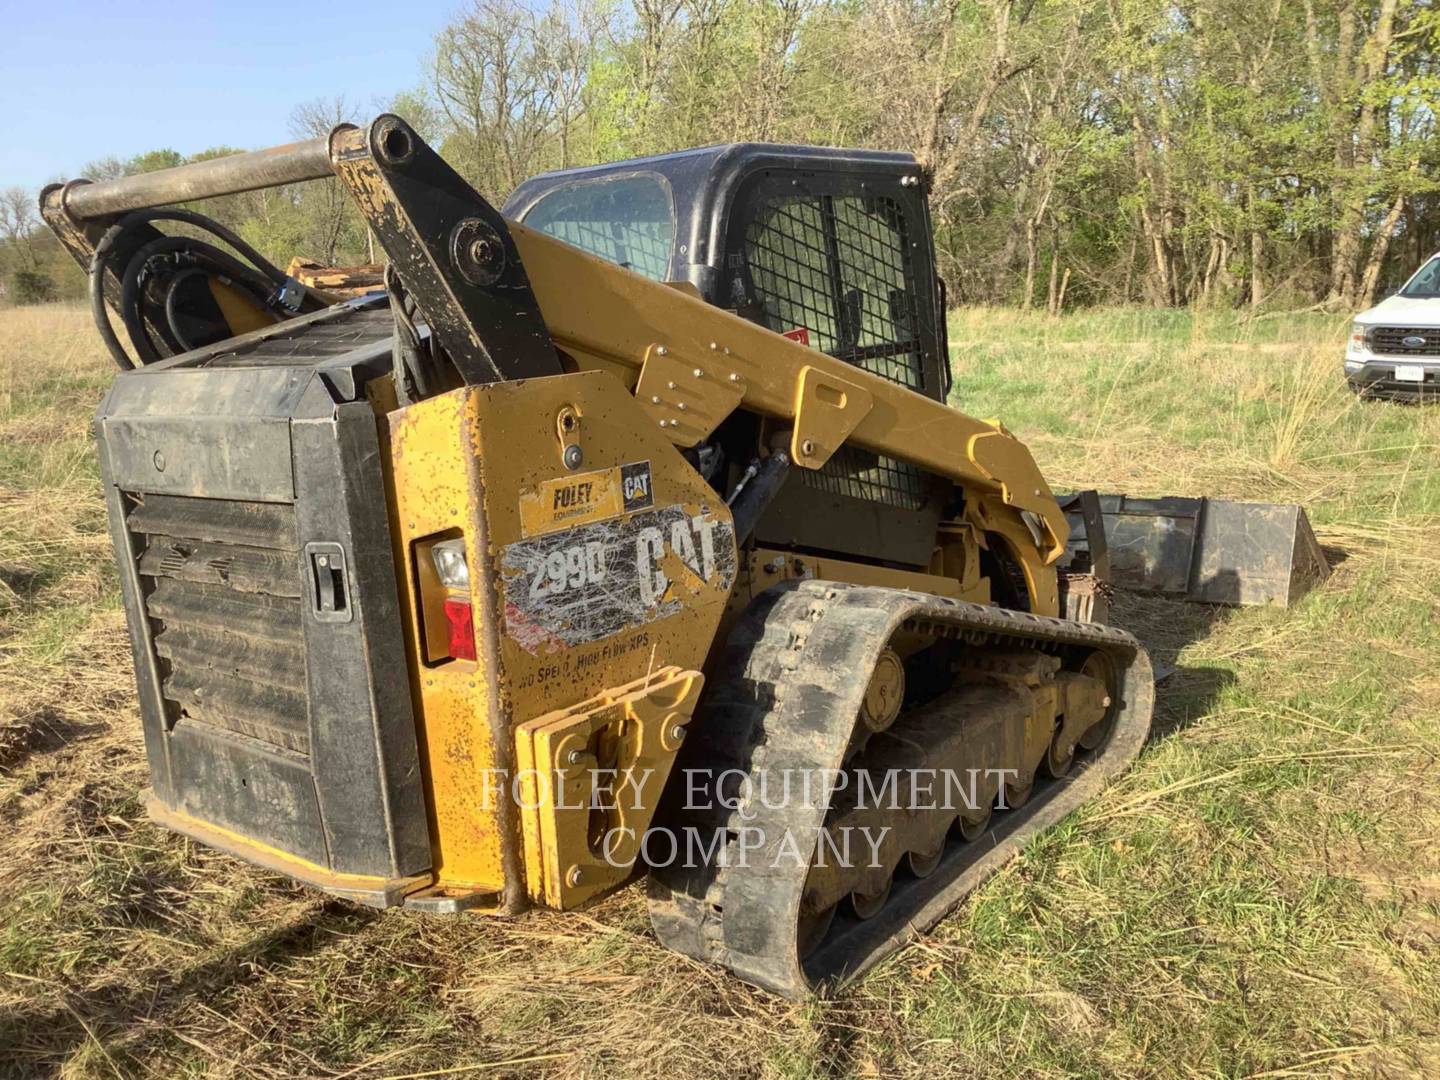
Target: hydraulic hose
(259, 282)
(172, 293)
(185, 250)
(172, 316)
(416, 367)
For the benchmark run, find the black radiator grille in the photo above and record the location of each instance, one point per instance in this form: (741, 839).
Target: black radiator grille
(221, 581)
(309, 341)
(1390, 340)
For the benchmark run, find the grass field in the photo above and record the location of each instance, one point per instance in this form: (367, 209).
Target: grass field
(1259, 896)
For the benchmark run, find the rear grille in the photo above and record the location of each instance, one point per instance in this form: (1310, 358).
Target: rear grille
(221, 582)
(1390, 340)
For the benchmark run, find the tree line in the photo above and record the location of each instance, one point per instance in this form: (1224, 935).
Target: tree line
(1233, 153)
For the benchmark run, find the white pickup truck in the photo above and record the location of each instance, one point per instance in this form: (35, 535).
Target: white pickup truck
(1394, 348)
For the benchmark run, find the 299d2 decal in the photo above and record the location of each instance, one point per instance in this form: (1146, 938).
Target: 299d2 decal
(587, 583)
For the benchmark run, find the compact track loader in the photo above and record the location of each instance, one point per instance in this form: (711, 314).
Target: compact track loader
(625, 533)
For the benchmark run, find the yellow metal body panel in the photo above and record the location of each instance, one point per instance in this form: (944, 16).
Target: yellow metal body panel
(1040, 577)
(239, 313)
(564, 607)
(769, 567)
(591, 778)
(436, 486)
(688, 404)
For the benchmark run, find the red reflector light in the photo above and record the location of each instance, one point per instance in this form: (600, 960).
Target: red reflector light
(462, 627)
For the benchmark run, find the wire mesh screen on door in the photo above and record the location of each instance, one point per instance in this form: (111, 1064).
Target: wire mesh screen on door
(839, 267)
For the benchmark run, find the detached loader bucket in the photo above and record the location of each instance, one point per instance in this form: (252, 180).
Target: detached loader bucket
(1205, 550)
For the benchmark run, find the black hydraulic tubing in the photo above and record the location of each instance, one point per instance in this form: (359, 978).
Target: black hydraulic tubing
(171, 315)
(756, 491)
(130, 283)
(173, 290)
(208, 272)
(189, 217)
(105, 250)
(102, 317)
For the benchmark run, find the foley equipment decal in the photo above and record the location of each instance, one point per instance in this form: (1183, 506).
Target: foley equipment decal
(563, 502)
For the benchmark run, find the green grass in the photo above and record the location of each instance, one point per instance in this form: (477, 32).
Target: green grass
(1259, 895)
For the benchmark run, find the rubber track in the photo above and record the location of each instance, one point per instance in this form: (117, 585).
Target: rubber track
(785, 696)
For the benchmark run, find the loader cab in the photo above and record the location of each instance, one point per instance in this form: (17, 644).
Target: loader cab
(831, 247)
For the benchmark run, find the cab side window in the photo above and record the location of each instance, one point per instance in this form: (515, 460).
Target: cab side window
(628, 220)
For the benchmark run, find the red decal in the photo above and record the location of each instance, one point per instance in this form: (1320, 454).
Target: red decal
(529, 635)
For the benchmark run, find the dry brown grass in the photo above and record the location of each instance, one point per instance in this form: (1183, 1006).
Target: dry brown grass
(1258, 896)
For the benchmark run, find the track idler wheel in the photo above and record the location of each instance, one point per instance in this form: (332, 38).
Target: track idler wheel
(886, 692)
(1100, 666)
(880, 707)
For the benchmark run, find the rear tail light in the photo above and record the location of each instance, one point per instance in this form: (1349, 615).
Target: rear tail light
(453, 572)
(459, 615)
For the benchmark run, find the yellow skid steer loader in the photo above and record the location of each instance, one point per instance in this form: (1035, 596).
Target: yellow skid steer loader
(625, 533)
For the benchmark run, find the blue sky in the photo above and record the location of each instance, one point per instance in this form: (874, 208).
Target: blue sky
(83, 79)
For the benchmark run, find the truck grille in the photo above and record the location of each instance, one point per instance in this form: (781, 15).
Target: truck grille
(221, 584)
(1390, 340)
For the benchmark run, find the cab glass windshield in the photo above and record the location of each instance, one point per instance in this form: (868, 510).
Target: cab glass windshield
(628, 220)
(1425, 285)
